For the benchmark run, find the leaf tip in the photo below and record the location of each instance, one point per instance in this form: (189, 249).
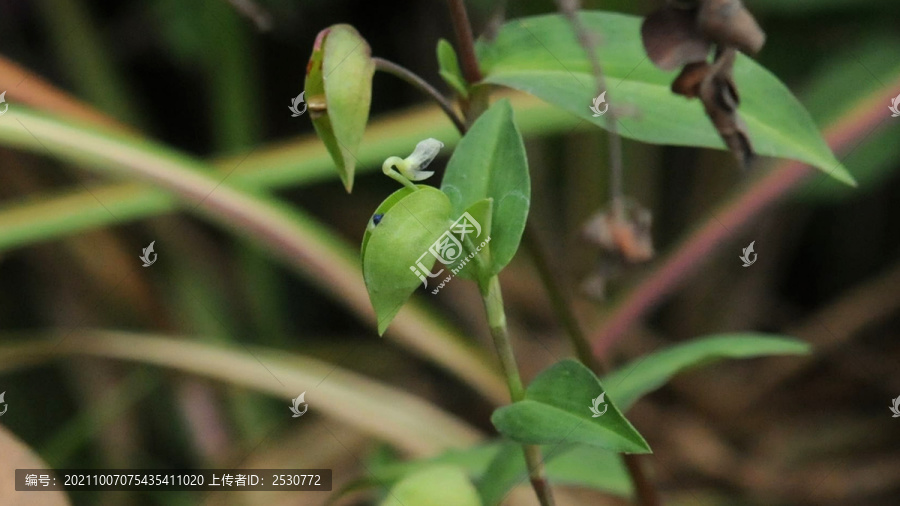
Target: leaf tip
(348, 182)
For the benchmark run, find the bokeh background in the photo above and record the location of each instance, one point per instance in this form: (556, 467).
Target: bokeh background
(204, 80)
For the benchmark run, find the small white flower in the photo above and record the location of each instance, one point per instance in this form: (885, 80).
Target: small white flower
(413, 166)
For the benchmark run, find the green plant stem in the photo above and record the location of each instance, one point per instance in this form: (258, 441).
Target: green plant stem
(479, 96)
(643, 487)
(490, 290)
(288, 233)
(417, 82)
(396, 176)
(496, 316)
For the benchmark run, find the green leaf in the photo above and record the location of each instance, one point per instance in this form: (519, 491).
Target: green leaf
(498, 465)
(541, 56)
(506, 470)
(650, 372)
(490, 162)
(412, 221)
(338, 93)
(588, 467)
(434, 486)
(566, 464)
(449, 68)
(557, 409)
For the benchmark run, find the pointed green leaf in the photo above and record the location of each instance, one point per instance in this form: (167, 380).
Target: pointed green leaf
(650, 372)
(557, 409)
(435, 486)
(411, 222)
(449, 68)
(338, 93)
(540, 55)
(490, 162)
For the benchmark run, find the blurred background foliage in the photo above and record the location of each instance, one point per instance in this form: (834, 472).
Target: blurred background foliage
(202, 79)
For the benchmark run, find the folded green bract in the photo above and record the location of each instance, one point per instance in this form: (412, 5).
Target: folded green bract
(339, 92)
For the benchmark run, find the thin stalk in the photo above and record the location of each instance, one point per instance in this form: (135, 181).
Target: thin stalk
(559, 301)
(479, 96)
(468, 60)
(646, 492)
(423, 86)
(389, 171)
(644, 489)
(570, 9)
(490, 291)
(496, 316)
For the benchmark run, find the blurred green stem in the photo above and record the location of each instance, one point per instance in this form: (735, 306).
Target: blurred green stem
(288, 233)
(496, 316)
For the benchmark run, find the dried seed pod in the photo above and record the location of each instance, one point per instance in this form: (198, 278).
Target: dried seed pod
(729, 23)
(672, 39)
(625, 234)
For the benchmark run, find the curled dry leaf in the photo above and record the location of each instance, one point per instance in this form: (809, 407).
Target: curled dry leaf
(681, 34)
(729, 23)
(672, 38)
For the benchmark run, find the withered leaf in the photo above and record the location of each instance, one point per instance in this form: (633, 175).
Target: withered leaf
(729, 23)
(672, 39)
